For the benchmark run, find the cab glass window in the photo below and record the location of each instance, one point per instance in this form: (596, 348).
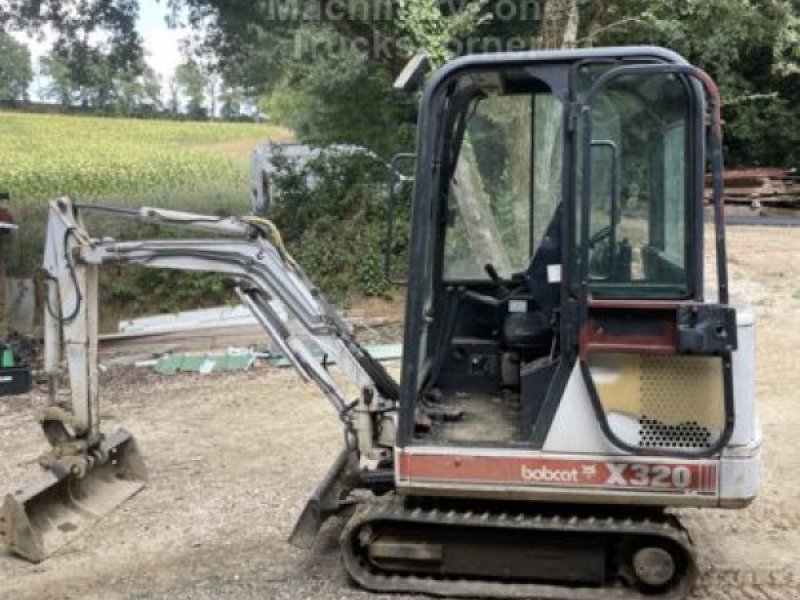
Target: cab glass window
(640, 161)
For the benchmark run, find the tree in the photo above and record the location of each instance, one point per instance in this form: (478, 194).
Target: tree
(59, 86)
(127, 92)
(232, 99)
(89, 76)
(213, 83)
(192, 82)
(87, 60)
(137, 93)
(264, 34)
(751, 48)
(76, 23)
(342, 97)
(15, 69)
(151, 89)
(173, 96)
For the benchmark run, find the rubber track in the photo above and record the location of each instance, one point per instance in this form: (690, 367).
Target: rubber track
(439, 586)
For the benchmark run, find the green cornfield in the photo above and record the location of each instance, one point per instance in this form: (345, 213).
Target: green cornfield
(43, 156)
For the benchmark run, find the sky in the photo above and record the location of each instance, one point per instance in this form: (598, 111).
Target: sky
(161, 44)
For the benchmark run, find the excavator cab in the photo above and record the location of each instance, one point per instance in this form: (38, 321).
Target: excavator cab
(558, 229)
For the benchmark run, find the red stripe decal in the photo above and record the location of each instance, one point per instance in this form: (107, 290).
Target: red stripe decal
(607, 472)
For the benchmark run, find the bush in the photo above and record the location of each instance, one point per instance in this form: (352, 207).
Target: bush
(332, 213)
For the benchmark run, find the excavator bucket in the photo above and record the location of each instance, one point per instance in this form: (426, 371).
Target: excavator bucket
(45, 515)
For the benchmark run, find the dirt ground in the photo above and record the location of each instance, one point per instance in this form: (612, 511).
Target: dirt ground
(232, 459)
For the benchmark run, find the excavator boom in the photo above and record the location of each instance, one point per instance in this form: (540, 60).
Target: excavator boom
(87, 474)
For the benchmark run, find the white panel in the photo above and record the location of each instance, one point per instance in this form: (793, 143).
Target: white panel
(740, 478)
(575, 428)
(745, 430)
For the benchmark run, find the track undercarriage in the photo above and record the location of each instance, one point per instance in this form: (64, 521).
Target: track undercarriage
(451, 549)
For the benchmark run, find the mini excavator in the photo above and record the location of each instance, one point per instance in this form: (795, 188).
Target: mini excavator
(568, 377)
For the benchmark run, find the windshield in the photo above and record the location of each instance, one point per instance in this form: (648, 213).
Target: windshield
(505, 187)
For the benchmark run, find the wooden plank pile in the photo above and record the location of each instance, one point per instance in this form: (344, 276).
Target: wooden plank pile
(762, 186)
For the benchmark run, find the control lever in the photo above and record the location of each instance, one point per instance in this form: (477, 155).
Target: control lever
(492, 273)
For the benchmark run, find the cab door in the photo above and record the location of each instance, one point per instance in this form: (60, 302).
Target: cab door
(656, 358)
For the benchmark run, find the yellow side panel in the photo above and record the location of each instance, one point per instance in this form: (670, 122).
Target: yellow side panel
(678, 400)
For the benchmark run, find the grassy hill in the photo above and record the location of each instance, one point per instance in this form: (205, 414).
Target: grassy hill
(167, 162)
(200, 166)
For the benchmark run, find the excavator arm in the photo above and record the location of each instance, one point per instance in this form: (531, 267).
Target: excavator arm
(283, 300)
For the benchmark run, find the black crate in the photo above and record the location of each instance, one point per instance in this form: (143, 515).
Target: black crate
(15, 380)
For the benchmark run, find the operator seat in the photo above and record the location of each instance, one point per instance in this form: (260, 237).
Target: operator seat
(531, 331)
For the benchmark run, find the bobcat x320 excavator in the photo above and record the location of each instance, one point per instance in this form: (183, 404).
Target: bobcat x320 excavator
(566, 377)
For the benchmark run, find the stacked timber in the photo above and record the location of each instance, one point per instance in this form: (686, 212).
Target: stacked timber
(761, 186)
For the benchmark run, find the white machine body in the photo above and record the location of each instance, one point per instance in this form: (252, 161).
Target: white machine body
(579, 464)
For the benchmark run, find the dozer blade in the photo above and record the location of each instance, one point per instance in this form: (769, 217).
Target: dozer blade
(45, 515)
